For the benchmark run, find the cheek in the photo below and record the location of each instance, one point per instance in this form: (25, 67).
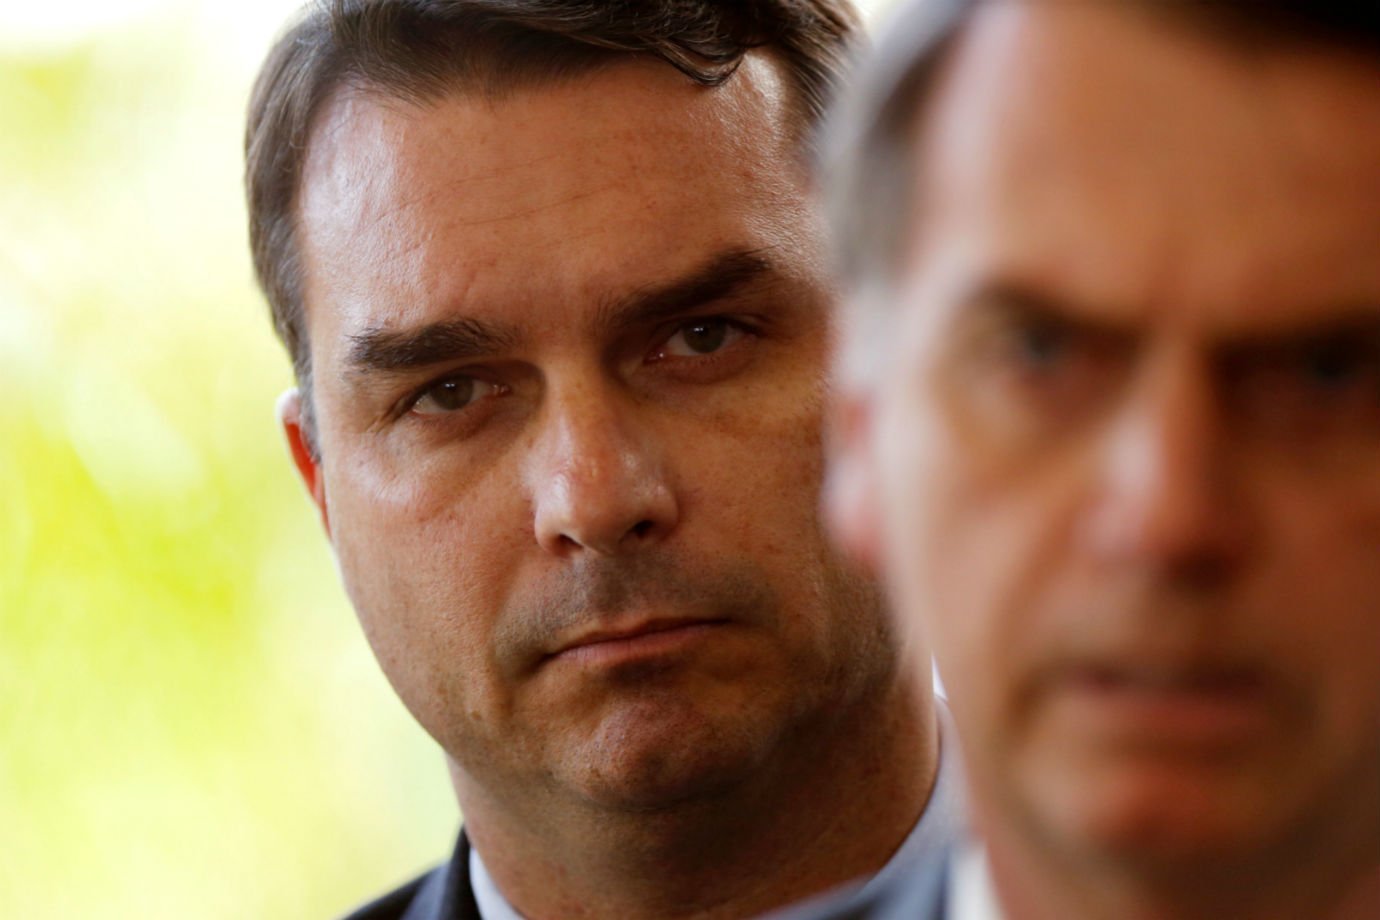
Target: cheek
(977, 550)
(1319, 581)
(423, 575)
(941, 563)
(754, 477)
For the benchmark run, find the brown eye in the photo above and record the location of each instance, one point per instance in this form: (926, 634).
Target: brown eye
(1335, 366)
(1041, 347)
(1044, 373)
(1053, 354)
(700, 337)
(452, 395)
(1326, 387)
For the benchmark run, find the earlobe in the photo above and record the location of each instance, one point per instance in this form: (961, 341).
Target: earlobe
(304, 455)
(851, 506)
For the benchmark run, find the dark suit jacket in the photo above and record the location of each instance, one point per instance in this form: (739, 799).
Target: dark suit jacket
(442, 894)
(445, 894)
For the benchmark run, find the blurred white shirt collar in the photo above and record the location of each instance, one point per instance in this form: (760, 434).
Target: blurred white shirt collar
(972, 896)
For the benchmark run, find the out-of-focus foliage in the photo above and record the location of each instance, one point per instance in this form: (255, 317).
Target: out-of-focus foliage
(190, 723)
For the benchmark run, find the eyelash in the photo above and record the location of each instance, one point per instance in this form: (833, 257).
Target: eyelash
(736, 329)
(408, 405)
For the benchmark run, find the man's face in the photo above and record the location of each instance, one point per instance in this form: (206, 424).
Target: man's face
(1125, 445)
(568, 351)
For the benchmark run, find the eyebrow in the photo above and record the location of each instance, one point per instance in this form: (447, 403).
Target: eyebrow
(382, 350)
(1004, 300)
(392, 351)
(719, 278)
(1357, 326)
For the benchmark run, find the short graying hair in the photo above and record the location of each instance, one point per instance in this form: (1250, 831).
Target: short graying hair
(867, 162)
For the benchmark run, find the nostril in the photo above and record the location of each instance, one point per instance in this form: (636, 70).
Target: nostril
(641, 528)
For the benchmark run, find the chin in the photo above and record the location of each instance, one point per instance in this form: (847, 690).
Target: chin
(1165, 821)
(650, 759)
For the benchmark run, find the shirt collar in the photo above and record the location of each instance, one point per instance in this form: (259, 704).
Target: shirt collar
(941, 826)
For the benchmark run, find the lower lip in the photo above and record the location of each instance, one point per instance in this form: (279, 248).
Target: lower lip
(648, 646)
(1223, 714)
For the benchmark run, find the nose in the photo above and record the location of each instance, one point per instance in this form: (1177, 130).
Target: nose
(1166, 499)
(597, 476)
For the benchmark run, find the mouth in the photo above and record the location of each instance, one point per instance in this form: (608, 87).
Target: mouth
(644, 640)
(1191, 705)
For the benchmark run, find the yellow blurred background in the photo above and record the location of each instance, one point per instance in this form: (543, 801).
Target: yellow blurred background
(190, 723)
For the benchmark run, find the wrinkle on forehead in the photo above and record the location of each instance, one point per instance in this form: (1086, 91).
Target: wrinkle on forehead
(356, 162)
(355, 146)
(1190, 171)
(556, 195)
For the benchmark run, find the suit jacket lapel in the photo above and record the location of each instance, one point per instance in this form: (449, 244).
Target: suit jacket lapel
(446, 894)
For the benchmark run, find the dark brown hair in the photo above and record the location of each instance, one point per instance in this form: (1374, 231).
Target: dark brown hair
(419, 50)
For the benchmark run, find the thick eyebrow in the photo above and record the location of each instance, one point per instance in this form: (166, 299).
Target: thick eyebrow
(717, 279)
(1323, 323)
(1358, 326)
(1004, 300)
(393, 351)
(382, 350)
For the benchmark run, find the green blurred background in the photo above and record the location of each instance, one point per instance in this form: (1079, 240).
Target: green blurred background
(190, 723)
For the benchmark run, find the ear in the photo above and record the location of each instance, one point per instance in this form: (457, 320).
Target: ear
(852, 507)
(304, 455)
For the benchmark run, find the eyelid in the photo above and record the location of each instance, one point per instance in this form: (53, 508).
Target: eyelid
(732, 331)
(744, 326)
(408, 404)
(1241, 362)
(1002, 335)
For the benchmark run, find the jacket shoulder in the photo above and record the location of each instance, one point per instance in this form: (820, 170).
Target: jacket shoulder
(395, 904)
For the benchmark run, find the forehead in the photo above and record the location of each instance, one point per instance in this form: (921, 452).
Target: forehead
(1116, 157)
(548, 197)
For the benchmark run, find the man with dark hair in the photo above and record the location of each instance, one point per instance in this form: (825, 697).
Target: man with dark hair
(551, 274)
(1111, 430)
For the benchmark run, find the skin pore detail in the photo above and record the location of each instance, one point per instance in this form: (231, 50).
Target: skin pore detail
(570, 456)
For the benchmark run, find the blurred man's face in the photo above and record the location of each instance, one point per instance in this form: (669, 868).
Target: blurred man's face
(568, 349)
(1126, 442)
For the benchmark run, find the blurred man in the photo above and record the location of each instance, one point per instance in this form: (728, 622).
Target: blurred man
(1113, 434)
(552, 279)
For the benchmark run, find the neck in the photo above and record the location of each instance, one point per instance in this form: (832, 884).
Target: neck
(833, 806)
(1038, 883)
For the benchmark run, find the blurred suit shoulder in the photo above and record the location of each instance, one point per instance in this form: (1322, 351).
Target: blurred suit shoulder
(441, 894)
